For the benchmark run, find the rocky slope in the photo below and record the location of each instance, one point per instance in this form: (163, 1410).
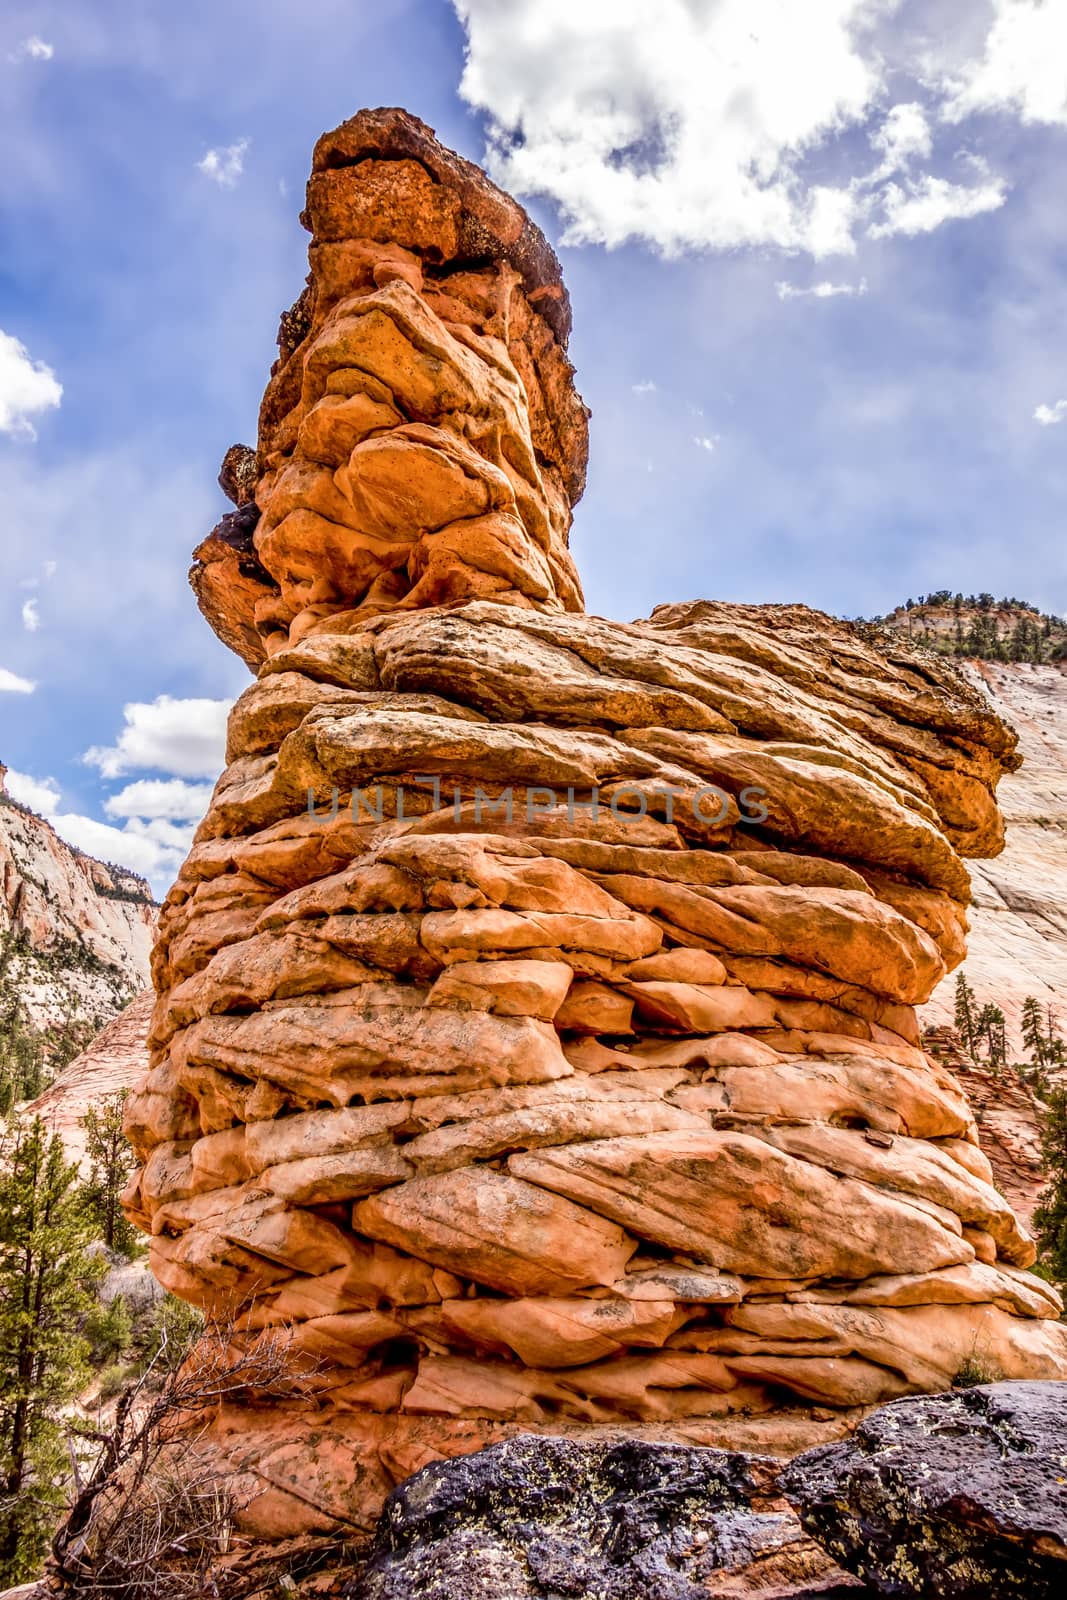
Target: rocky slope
(116, 1059)
(75, 937)
(973, 626)
(536, 1031)
(1008, 1115)
(1017, 944)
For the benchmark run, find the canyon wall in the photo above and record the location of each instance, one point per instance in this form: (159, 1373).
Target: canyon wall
(536, 1031)
(75, 933)
(1017, 945)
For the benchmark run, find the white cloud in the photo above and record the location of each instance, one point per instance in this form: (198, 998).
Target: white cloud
(687, 129)
(646, 386)
(32, 49)
(11, 683)
(718, 126)
(31, 617)
(924, 205)
(49, 568)
(1021, 69)
(705, 442)
(40, 794)
(904, 136)
(26, 387)
(820, 291)
(186, 738)
(171, 798)
(224, 166)
(1049, 416)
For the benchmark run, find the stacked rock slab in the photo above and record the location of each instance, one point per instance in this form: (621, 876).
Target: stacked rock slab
(535, 1033)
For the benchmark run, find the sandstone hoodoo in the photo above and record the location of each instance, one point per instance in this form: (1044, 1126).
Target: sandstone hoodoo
(557, 1070)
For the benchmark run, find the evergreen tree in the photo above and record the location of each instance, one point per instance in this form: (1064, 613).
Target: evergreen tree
(1050, 1218)
(966, 1015)
(46, 1279)
(109, 1331)
(992, 1028)
(110, 1164)
(1034, 1031)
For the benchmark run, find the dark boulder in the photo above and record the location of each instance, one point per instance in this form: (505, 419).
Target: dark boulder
(952, 1494)
(550, 1519)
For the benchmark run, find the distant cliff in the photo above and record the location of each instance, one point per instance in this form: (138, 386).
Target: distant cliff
(979, 627)
(1018, 939)
(75, 936)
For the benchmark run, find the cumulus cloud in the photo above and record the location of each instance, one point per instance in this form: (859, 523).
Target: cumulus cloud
(819, 291)
(924, 205)
(225, 165)
(32, 49)
(719, 126)
(11, 683)
(169, 798)
(184, 738)
(31, 617)
(704, 441)
(40, 794)
(27, 387)
(646, 386)
(1049, 416)
(1021, 67)
(688, 130)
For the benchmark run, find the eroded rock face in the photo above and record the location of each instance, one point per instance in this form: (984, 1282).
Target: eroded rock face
(421, 441)
(955, 1494)
(536, 1027)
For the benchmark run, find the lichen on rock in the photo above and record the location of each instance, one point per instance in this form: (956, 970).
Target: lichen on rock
(953, 1494)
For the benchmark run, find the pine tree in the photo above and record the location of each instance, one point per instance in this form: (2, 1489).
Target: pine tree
(1034, 1031)
(46, 1278)
(992, 1027)
(109, 1331)
(966, 1016)
(110, 1163)
(1050, 1218)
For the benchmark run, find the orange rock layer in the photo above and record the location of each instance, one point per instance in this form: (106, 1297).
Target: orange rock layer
(535, 1032)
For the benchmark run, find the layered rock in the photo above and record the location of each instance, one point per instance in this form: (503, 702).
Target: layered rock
(1009, 1117)
(536, 1028)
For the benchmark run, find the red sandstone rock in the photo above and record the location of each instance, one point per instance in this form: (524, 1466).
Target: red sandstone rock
(558, 1069)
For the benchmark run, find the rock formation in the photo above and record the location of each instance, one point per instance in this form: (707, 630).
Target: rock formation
(536, 1028)
(1008, 1114)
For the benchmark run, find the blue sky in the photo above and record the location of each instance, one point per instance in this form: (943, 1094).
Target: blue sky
(703, 165)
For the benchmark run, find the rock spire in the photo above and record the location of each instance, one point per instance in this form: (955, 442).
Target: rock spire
(535, 1032)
